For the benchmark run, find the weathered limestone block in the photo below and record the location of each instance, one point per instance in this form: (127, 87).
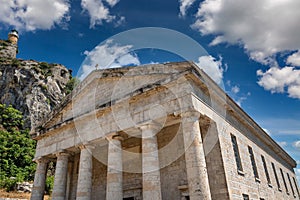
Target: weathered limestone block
(60, 178)
(39, 180)
(195, 157)
(150, 163)
(114, 187)
(84, 186)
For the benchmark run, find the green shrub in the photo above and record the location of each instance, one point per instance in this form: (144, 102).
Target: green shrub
(72, 83)
(16, 149)
(45, 68)
(49, 184)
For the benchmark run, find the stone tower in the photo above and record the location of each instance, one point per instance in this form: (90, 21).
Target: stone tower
(13, 36)
(9, 48)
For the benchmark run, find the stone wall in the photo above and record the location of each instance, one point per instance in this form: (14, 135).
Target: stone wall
(244, 182)
(7, 49)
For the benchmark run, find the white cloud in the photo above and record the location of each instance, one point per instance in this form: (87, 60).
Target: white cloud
(241, 99)
(108, 55)
(294, 59)
(235, 89)
(112, 2)
(282, 144)
(235, 94)
(297, 144)
(98, 12)
(262, 27)
(212, 67)
(280, 80)
(30, 15)
(184, 5)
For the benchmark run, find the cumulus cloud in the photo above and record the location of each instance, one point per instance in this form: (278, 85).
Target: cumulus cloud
(108, 55)
(264, 29)
(294, 59)
(286, 79)
(212, 67)
(297, 144)
(184, 5)
(30, 15)
(99, 12)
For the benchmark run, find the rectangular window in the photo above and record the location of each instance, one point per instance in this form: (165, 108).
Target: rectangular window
(246, 197)
(276, 177)
(253, 163)
(296, 186)
(291, 184)
(266, 169)
(286, 188)
(236, 153)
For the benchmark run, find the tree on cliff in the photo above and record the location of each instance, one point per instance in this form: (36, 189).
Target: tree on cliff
(16, 149)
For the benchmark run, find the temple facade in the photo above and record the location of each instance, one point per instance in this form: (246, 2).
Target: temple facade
(161, 131)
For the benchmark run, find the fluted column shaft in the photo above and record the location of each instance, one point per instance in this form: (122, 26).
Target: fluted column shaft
(150, 164)
(60, 177)
(195, 157)
(84, 185)
(114, 186)
(38, 189)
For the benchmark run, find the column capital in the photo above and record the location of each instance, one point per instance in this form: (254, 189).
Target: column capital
(41, 160)
(150, 125)
(190, 114)
(62, 153)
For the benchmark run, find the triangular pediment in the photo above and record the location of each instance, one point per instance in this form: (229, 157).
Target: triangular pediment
(103, 87)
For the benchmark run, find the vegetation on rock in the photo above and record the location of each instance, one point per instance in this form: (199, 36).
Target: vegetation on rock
(16, 149)
(71, 84)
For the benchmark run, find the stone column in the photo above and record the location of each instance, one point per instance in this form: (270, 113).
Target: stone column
(38, 189)
(84, 185)
(194, 157)
(150, 163)
(60, 178)
(114, 185)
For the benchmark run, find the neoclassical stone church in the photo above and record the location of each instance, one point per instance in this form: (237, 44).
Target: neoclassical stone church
(161, 131)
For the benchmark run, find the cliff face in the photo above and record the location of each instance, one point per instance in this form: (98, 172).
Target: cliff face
(32, 87)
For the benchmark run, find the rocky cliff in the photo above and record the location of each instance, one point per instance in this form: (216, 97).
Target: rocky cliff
(32, 87)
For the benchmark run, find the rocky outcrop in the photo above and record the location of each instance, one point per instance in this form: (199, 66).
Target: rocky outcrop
(7, 49)
(32, 87)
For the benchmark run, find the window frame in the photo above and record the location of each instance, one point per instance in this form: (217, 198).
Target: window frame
(253, 163)
(276, 177)
(237, 155)
(284, 182)
(289, 178)
(246, 197)
(266, 170)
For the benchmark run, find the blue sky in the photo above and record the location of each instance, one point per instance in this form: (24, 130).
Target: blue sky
(253, 47)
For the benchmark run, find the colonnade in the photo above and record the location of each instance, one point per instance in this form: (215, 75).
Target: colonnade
(194, 156)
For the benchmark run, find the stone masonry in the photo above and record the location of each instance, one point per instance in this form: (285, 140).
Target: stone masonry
(161, 131)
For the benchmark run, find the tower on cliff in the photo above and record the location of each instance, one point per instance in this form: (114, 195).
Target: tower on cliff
(9, 48)
(13, 36)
